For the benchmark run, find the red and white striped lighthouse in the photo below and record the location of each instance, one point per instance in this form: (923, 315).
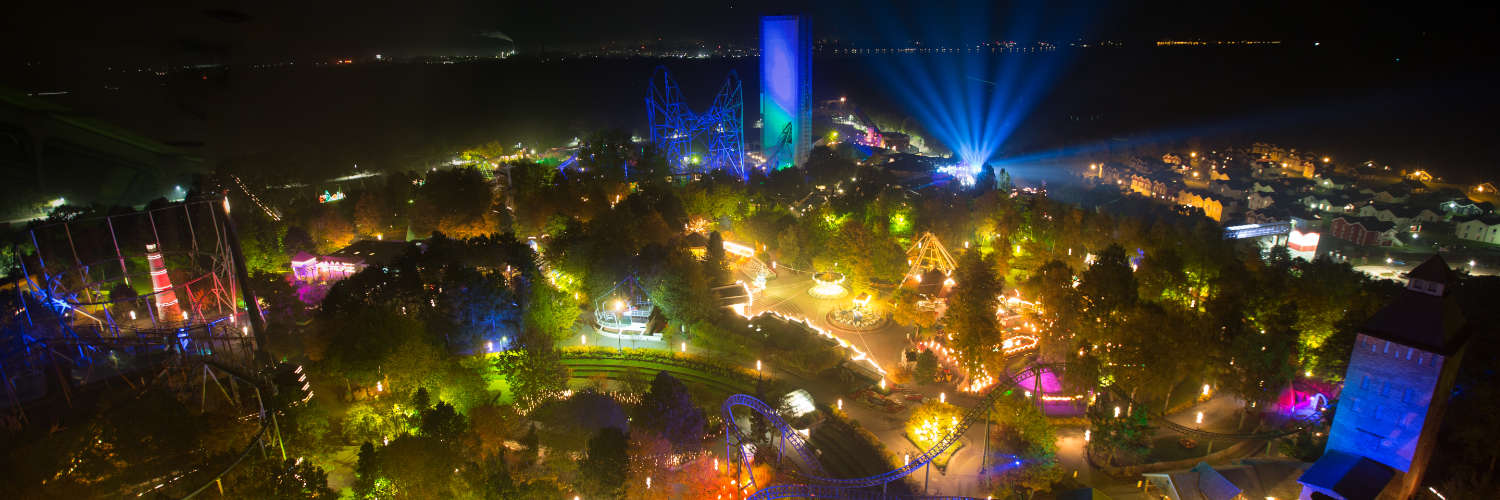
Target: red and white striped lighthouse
(166, 299)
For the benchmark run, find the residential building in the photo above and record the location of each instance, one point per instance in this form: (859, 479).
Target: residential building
(1484, 228)
(1234, 189)
(1212, 207)
(1364, 231)
(1464, 207)
(1400, 215)
(1257, 201)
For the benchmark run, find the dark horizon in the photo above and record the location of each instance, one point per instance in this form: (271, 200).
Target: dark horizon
(115, 35)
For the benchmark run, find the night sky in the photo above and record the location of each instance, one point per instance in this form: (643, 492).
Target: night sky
(249, 32)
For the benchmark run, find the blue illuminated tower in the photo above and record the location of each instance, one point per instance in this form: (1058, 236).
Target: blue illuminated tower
(785, 90)
(1397, 386)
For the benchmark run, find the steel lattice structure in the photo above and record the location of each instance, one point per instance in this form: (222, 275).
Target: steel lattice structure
(89, 296)
(697, 142)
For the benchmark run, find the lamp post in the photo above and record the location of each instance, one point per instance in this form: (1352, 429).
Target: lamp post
(620, 335)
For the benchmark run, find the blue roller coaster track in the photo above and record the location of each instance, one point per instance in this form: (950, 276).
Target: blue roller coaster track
(819, 484)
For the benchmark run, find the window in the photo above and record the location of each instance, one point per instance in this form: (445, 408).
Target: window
(1409, 396)
(1386, 391)
(1364, 383)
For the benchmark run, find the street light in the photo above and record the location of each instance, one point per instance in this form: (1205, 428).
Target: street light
(1199, 420)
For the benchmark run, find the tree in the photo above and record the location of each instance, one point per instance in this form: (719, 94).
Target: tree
(531, 444)
(984, 181)
(1052, 287)
(534, 373)
(1023, 427)
(715, 263)
(931, 422)
(497, 483)
(551, 311)
(330, 230)
(419, 466)
(365, 470)
(904, 309)
(262, 242)
(371, 214)
(607, 460)
(1128, 435)
(1106, 287)
(926, 366)
(668, 409)
(491, 425)
(443, 423)
(289, 479)
(971, 311)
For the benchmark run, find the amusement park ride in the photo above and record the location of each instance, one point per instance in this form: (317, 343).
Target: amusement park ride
(697, 142)
(153, 296)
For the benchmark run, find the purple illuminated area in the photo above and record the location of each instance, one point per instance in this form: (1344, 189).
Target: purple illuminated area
(1054, 400)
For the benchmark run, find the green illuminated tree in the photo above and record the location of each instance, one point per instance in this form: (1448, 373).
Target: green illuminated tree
(533, 372)
(971, 310)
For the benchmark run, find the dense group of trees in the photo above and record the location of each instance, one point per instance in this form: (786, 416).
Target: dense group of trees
(1137, 300)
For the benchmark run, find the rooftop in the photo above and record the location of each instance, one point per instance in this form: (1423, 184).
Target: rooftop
(1351, 476)
(1428, 322)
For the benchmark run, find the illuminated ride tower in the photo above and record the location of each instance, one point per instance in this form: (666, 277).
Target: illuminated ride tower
(785, 90)
(166, 299)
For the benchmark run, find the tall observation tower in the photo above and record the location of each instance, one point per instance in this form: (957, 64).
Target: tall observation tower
(785, 90)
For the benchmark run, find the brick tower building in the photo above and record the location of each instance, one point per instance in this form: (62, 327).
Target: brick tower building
(1400, 376)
